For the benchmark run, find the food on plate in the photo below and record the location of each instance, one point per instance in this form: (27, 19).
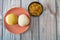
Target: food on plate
(23, 20)
(11, 19)
(35, 8)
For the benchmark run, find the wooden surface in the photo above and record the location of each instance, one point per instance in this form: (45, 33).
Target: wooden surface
(44, 27)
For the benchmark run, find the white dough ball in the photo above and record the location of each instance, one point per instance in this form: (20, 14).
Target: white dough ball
(23, 20)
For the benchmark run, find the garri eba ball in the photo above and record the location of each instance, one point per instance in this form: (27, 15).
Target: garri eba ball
(11, 19)
(23, 20)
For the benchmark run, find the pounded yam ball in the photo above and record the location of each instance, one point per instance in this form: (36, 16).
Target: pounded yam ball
(23, 20)
(11, 19)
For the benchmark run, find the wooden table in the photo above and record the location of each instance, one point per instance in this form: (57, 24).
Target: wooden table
(44, 27)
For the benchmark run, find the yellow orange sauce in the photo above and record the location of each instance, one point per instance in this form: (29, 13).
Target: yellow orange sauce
(35, 9)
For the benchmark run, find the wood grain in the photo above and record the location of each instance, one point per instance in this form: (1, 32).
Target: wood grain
(47, 21)
(1, 20)
(58, 19)
(8, 4)
(42, 27)
(30, 34)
